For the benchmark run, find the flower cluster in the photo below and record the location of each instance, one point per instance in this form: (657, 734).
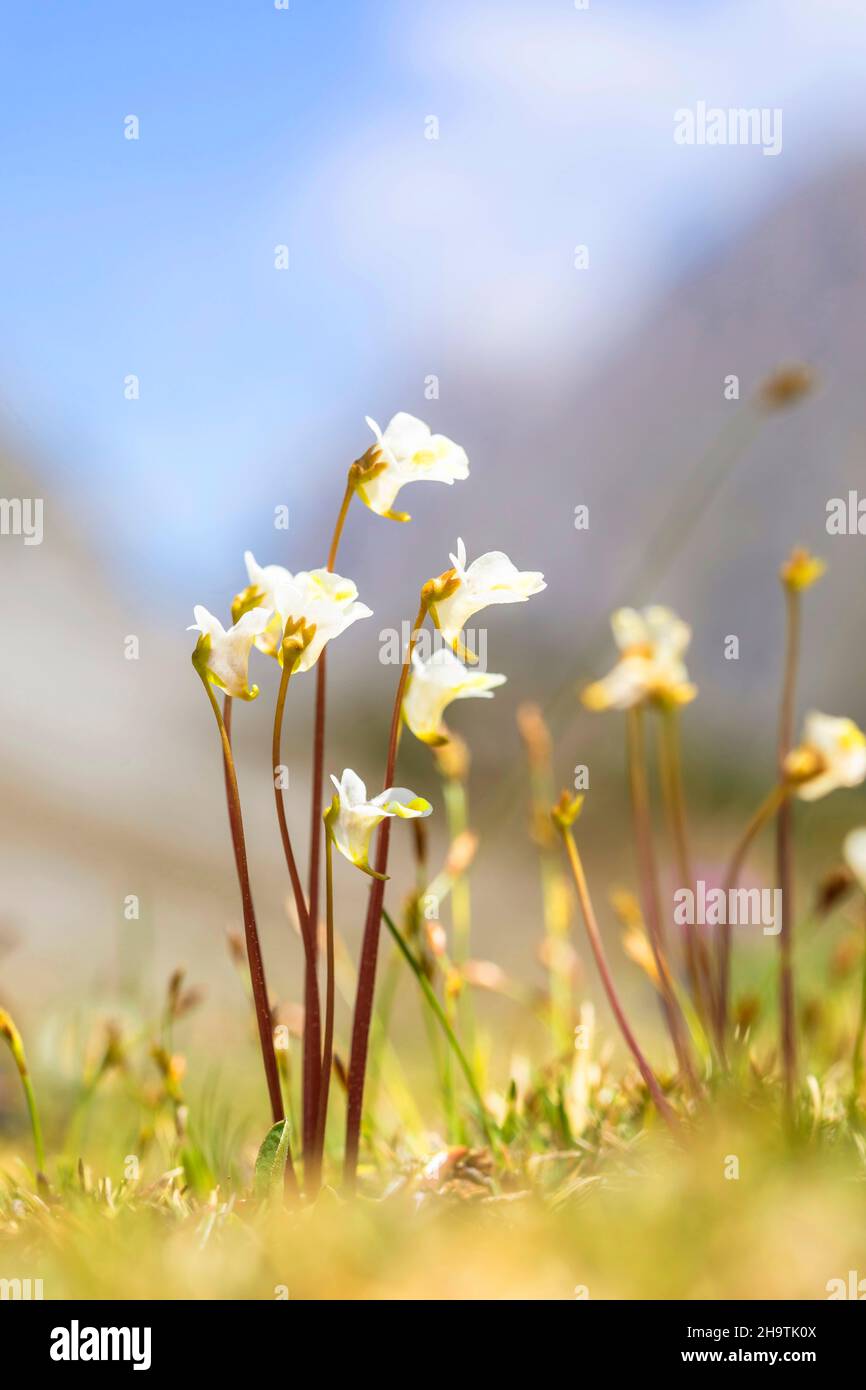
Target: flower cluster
(651, 667)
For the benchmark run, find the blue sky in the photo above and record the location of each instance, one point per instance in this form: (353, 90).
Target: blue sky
(407, 256)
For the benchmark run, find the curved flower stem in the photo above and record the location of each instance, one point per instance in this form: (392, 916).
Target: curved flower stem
(254, 953)
(765, 812)
(9, 1031)
(328, 1047)
(340, 523)
(312, 1013)
(785, 850)
(586, 908)
(370, 943)
(447, 1028)
(697, 955)
(650, 892)
(316, 790)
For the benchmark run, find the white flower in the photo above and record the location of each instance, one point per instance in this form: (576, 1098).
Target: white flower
(831, 754)
(408, 452)
(317, 598)
(224, 657)
(433, 684)
(352, 818)
(854, 850)
(651, 667)
(492, 578)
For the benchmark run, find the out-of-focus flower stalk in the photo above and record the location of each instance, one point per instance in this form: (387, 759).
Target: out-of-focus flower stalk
(328, 1038)
(414, 920)
(452, 761)
(650, 897)
(860, 1039)
(9, 1031)
(564, 815)
(785, 850)
(554, 896)
(697, 955)
(765, 812)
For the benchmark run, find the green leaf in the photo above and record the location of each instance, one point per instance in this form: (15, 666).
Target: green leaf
(271, 1159)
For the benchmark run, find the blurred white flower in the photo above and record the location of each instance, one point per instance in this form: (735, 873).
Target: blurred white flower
(433, 684)
(352, 818)
(463, 591)
(407, 452)
(317, 598)
(224, 656)
(854, 851)
(831, 754)
(651, 667)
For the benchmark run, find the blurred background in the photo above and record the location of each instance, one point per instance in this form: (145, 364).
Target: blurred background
(434, 275)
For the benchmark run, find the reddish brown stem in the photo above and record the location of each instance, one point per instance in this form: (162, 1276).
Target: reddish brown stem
(370, 945)
(650, 893)
(697, 955)
(254, 953)
(594, 935)
(768, 808)
(312, 1018)
(328, 1047)
(784, 852)
(311, 1111)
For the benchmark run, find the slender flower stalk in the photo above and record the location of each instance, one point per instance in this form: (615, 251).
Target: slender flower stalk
(798, 573)
(554, 892)
(328, 1044)
(785, 849)
(319, 753)
(854, 851)
(452, 762)
(765, 812)
(563, 817)
(254, 954)
(9, 1031)
(697, 955)
(370, 943)
(650, 891)
(860, 1039)
(294, 640)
